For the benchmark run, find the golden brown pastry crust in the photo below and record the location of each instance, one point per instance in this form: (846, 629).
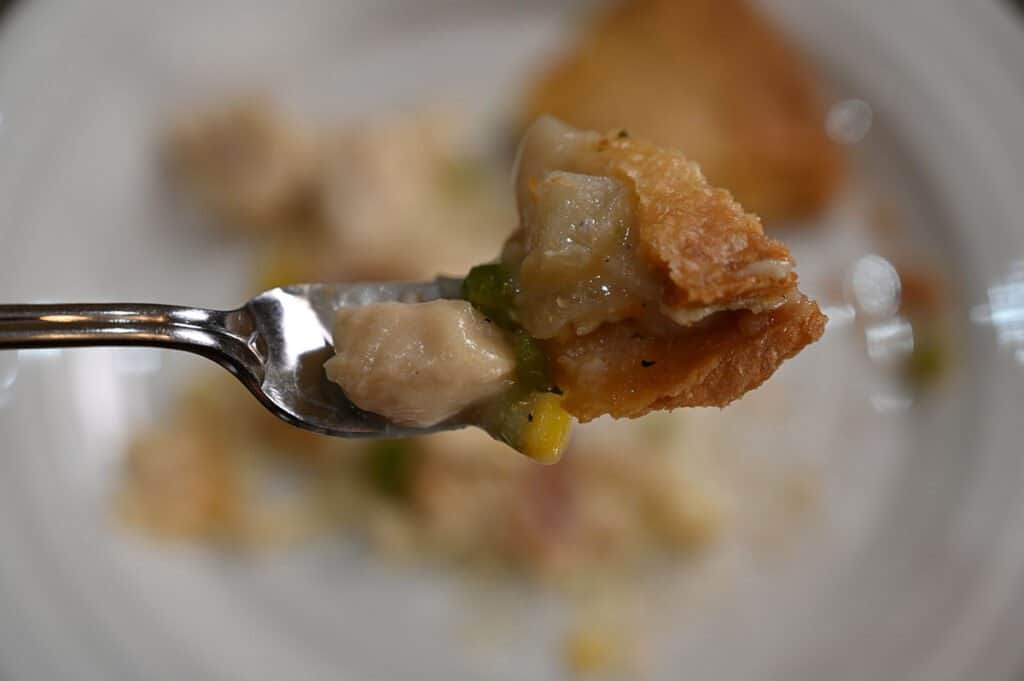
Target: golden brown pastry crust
(697, 239)
(622, 371)
(713, 79)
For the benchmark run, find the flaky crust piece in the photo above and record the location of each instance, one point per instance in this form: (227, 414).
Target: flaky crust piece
(706, 249)
(621, 371)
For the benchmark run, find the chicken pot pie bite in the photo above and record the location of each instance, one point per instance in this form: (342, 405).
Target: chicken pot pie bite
(631, 285)
(711, 78)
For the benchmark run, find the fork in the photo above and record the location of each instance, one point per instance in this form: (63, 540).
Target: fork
(275, 344)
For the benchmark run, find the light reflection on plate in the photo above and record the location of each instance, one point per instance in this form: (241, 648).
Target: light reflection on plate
(1005, 311)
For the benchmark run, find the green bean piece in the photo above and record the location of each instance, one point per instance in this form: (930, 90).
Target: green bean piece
(532, 369)
(505, 419)
(490, 289)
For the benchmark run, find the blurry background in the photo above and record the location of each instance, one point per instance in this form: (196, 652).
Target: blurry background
(857, 517)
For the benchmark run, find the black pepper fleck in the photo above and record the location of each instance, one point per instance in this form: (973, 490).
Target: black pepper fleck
(529, 417)
(645, 363)
(623, 133)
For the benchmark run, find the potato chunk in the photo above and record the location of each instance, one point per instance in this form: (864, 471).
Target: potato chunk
(578, 269)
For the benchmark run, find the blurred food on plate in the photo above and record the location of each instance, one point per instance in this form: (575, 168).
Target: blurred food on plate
(405, 195)
(712, 78)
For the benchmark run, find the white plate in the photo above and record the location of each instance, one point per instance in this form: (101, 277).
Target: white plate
(915, 572)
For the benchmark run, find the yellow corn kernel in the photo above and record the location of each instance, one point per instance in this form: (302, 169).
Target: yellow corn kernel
(591, 650)
(546, 433)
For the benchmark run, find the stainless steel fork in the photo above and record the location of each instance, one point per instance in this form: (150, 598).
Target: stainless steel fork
(275, 344)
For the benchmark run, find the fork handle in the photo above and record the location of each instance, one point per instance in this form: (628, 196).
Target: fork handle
(226, 337)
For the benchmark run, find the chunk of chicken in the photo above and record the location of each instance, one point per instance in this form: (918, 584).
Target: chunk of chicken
(419, 364)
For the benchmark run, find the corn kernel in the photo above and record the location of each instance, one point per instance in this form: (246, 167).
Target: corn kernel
(546, 433)
(591, 650)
